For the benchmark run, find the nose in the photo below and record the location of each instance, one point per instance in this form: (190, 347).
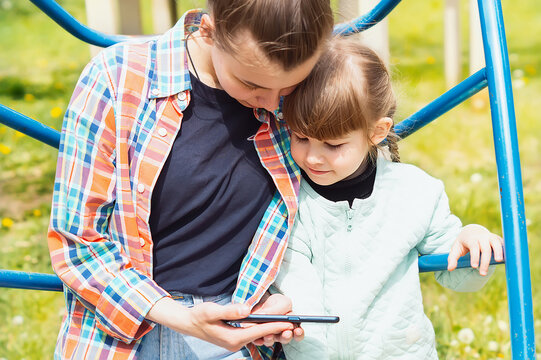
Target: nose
(313, 157)
(269, 100)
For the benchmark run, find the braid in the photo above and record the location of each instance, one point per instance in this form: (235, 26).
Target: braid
(392, 143)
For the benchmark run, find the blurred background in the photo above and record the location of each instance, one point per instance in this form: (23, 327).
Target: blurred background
(40, 64)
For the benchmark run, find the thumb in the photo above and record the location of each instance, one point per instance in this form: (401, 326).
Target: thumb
(233, 311)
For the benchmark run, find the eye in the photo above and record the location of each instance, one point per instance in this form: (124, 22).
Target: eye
(249, 87)
(299, 138)
(333, 146)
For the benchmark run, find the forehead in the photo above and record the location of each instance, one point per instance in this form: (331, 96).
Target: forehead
(247, 62)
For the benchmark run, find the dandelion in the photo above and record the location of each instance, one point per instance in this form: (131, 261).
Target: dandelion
(493, 346)
(7, 222)
(29, 97)
(466, 336)
(27, 258)
(4, 149)
(430, 60)
(453, 343)
(17, 320)
(488, 320)
(519, 83)
(476, 178)
(530, 69)
(19, 134)
(479, 103)
(518, 74)
(503, 326)
(7, 5)
(467, 349)
(42, 63)
(36, 212)
(528, 222)
(56, 112)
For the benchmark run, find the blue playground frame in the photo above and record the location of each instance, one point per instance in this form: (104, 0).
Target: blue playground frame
(496, 75)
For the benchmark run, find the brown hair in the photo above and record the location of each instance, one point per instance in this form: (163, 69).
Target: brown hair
(348, 89)
(288, 32)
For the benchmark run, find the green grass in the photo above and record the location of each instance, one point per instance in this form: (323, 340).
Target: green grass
(40, 63)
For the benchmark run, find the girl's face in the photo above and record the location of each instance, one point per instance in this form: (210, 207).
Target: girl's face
(327, 162)
(253, 80)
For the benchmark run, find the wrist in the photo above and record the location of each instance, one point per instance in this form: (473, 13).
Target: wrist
(169, 313)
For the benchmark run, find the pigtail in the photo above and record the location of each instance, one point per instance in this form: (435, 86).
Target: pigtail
(392, 143)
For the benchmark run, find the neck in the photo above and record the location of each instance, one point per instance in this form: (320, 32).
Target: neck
(359, 170)
(200, 52)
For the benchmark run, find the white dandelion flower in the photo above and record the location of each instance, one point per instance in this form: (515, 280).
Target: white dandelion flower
(466, 336)
(493, 346)
(17, 320)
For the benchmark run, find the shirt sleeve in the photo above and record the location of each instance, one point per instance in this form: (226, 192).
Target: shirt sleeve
(442, 232)
(299, 281)
(90, 263)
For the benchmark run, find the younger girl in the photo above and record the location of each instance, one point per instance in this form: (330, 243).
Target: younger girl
(363, 220)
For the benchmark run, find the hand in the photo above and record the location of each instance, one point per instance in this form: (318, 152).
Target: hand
(206, 321)
(476, 239)
(281, 305)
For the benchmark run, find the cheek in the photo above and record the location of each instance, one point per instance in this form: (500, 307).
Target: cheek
(296, 151)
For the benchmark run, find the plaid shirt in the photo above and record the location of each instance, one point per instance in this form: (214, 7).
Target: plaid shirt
(118, 130)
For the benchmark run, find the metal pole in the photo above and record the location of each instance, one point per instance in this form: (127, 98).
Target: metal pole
(519, 290)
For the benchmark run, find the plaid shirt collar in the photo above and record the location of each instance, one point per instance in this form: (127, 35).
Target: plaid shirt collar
(171, 73)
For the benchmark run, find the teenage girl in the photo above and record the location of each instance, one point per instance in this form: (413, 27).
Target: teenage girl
(174, 164)
(363, 220)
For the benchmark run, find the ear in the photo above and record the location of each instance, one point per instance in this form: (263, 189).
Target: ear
(206, 28)
(381, 130)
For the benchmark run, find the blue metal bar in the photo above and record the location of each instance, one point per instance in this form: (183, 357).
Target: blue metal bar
(378, 13)
(32, 281)
(438, 262)
(442, 104)
(29, 126)
(74, 27)
(519, 290)
(36, 281)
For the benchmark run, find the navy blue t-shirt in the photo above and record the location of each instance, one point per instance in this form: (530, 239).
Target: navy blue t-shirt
(210, 196)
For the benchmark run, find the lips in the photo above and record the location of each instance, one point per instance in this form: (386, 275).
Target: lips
(318, 172)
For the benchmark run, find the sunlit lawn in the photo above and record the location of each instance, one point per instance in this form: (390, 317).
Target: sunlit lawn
(39, 64)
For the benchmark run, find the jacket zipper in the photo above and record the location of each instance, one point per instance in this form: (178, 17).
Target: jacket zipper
(346, 334)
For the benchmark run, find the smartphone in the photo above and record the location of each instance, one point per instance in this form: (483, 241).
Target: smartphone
(257, 318)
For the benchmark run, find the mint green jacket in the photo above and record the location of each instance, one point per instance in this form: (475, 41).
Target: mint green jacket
(360, 263)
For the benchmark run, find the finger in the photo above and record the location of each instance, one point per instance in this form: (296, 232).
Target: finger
(497, 248)
(452, 259)
(275, 304)
(260, 331)
(228, 312)
(474, 255)
(486, 254)
(268, 340)
(285, 337)
(298, 334)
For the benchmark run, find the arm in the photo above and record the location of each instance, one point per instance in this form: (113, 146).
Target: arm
(92, 265)
(299, 281)
(446, 234)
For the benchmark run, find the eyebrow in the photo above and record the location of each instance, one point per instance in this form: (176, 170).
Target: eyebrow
(249, 83)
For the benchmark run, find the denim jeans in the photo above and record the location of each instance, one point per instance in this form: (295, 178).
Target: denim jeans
(162, 343)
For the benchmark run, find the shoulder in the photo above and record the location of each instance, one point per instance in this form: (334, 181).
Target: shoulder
(407, 177)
